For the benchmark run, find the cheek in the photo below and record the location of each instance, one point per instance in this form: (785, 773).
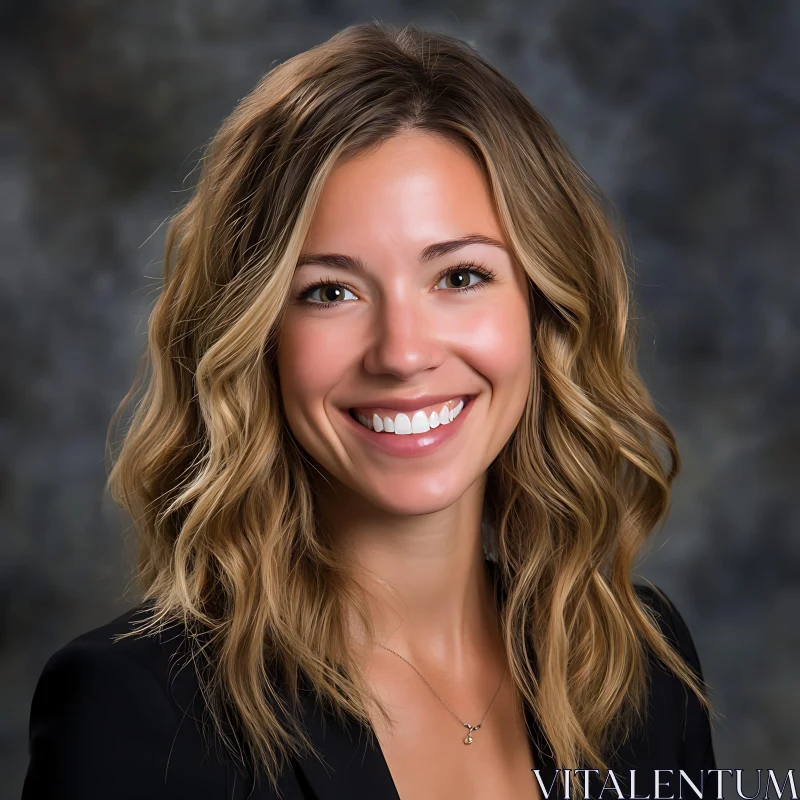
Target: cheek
(311, 362)
(497, 342)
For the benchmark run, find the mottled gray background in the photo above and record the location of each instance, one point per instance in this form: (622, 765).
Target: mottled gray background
(687, 113)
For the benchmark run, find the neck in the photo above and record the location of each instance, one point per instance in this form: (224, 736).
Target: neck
(428, 588)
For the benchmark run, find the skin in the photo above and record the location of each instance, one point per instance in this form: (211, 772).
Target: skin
(400, 330)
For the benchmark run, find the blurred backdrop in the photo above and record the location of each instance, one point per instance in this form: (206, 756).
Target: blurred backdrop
(686, 113)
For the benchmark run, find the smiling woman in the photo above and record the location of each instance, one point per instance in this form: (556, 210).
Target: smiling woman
(392, 232)
(390, 471)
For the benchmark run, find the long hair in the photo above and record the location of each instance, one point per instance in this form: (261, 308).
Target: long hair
(219, 491)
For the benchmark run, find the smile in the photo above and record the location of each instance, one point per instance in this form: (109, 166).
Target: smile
(416, 433)
(420, 421)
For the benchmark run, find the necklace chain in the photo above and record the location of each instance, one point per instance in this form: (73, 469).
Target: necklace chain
(470, 728)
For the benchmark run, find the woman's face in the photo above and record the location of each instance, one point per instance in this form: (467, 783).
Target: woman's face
(399, 336)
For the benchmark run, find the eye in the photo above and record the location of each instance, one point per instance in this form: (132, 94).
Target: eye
(332, 292)
(460, 275)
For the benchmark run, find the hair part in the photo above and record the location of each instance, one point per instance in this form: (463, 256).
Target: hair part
(219, 491)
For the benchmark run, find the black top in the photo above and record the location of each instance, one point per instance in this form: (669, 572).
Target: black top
(118, 720)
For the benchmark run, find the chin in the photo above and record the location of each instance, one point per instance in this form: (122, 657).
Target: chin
(413, 496)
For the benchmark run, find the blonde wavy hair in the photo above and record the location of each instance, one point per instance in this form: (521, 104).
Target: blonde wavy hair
(219, 490)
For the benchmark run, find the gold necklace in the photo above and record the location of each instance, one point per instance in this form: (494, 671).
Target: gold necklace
(470, 728)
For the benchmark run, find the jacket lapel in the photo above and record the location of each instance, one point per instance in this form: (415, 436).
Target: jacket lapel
(352, 768)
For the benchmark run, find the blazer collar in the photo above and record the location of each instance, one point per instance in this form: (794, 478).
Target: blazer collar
(351, 766)
(354, 766)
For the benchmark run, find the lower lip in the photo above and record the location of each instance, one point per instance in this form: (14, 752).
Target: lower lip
(412, 444)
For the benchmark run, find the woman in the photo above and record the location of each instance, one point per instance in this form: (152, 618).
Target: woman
(391, 469)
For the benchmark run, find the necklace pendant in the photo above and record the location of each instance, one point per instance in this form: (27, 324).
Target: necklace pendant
(468, 737)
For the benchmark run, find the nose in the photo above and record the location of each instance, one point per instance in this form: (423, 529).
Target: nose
(405, 338)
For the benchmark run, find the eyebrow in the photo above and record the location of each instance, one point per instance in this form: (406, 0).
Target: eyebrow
(432, 251)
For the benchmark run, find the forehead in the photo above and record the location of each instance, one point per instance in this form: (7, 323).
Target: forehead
(413, 189)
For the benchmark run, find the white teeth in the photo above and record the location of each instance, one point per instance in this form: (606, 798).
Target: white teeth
(362, 418)
(419, 423)
(402, 424)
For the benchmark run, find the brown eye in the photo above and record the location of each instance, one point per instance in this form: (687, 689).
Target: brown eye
(458, 279)
(331, 293)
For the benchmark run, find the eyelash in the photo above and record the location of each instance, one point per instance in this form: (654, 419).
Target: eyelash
(486, 273)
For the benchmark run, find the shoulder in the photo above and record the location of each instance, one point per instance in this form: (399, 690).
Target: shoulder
(115, 718)
(672, 624)
(678, 727)
(95, 655)
(98, 671)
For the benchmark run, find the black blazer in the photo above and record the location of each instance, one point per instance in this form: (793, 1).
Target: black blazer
(113, 720)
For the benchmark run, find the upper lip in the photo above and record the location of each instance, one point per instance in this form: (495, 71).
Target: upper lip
(410, 403)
